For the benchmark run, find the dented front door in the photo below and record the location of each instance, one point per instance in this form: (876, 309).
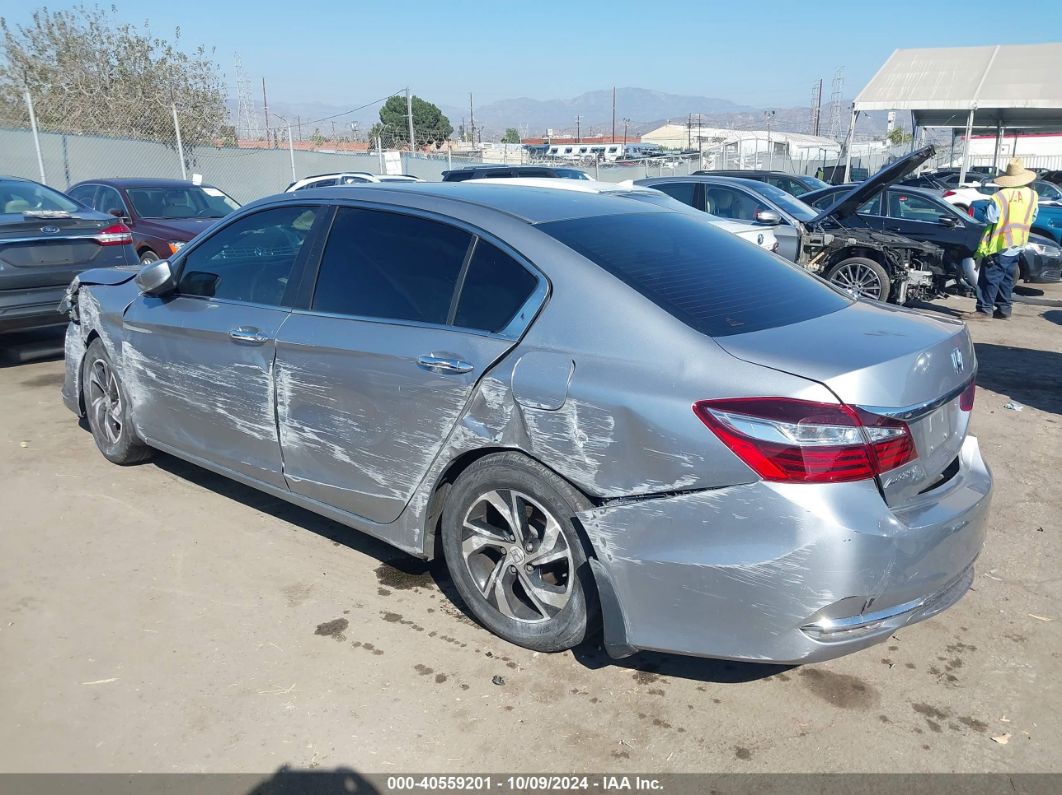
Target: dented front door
(200, 377)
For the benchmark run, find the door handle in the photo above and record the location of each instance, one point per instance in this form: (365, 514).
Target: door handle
(248, 334)
(443, 364)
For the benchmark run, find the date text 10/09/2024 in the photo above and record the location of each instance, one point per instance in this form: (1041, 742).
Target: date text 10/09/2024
(606, 783)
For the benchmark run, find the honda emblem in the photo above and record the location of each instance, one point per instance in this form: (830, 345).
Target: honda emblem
(956, 360)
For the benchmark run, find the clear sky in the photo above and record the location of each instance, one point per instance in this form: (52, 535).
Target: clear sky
(761, 53)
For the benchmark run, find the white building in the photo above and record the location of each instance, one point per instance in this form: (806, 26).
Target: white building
(744, 148)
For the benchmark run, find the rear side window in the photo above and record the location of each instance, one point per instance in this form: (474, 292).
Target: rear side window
(709, 279)
(388, 265)
(495, 288)
(683, 191)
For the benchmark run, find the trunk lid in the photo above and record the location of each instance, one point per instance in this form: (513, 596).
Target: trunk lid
(847, 203)
(889, 361)
(48, 249)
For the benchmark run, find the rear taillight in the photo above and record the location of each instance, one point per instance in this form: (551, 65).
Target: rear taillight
(970, 212)
(966, 399)
(800, 441)
(947, 193)
(114, 235)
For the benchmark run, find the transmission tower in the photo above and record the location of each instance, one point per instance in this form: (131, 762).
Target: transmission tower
(836, 128)
(246, 116)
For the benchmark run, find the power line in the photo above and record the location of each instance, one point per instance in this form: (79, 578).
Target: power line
(355, 110)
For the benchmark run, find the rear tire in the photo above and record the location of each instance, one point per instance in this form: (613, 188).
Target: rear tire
(863, 277)
(107, 409)
(148, 256)
(527, 579)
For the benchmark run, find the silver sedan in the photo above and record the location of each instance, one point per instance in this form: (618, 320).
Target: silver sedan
(600, 412)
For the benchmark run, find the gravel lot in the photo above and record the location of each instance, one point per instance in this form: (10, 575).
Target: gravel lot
(160, 618)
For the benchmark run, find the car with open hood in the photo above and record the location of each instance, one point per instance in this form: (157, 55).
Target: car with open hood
(871, 263)
(163, 214)
(599, 411)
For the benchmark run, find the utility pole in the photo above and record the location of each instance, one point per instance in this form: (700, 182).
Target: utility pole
(816, 115)
(471, 121)
(769, 114)
(626, 123)
(298, 121)
(689, 131)
(409, 112)
(613, 114)
(578, 129)
(265, 104)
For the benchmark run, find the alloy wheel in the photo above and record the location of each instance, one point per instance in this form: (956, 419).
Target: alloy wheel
(517, 556)
(105, 400)
(858, 279)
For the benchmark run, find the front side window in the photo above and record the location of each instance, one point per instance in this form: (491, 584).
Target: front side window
(181, 202)
(251, 259)
(495, 288)
(108, 200)
(1047, 191)
(908, 207)
(731, 203)
(388, 265)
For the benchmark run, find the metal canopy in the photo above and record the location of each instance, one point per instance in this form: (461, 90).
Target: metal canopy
(1013, 85)
(1003, 86)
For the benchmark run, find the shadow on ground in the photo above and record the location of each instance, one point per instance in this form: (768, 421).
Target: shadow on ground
(401, 571)
(1029, 376)
(31, 346)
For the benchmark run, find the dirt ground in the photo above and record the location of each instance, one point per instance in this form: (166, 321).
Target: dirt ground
(160, 618)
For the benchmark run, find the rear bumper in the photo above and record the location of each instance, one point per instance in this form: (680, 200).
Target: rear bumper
(1040, 269)
(31, 308)
(785, 573)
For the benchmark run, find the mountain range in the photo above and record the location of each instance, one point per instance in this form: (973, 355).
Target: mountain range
(645, 108)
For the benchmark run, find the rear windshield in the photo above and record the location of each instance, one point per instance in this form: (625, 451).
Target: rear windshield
(709, 279)
(18, 196)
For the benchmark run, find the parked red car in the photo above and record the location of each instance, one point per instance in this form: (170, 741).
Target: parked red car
(164, 214)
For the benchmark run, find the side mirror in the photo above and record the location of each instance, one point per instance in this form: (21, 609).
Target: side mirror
(949, 220)
(156, 278)
(118, 214)
(768, 217)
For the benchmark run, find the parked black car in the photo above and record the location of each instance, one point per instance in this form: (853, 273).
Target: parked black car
(498, 171)
(920, 214)
(796, 184)
(46, 239)
(164, 214)
(872, 263)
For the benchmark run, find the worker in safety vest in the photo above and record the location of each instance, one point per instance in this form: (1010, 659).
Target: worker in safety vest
(1010, 216)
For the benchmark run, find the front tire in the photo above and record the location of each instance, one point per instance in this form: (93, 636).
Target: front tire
(862, 277)
(107, 409)
(148, 256)
(515, 554)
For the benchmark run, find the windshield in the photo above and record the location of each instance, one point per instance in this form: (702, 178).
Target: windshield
(17, 196)
(570, 173)
(814, 183)
(192, 202)
(709, 279)
(787, 201)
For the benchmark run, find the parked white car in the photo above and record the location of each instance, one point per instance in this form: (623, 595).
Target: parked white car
(760, 235)
(346, 178)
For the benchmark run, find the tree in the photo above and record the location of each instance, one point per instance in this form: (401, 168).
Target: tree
(512, 136)
(898, 137)
(88, 72)
(430, 126)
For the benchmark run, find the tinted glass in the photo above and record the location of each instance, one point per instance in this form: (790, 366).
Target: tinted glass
(18, 196)
(193, 202)
(570, 173)
(388, 265)
(495, 287)
(83, 194)
(108, 199)
(707, 278)
(457, 176)
(249, 260)
(318, 183)
(786, 201)
(909, 207)
(1047, 191)
(683, 191)
(727, 202)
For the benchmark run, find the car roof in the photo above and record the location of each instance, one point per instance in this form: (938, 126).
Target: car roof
(144, 182)
(532, 205)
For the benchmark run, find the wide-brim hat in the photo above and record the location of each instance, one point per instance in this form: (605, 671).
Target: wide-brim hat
(1016, 175)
